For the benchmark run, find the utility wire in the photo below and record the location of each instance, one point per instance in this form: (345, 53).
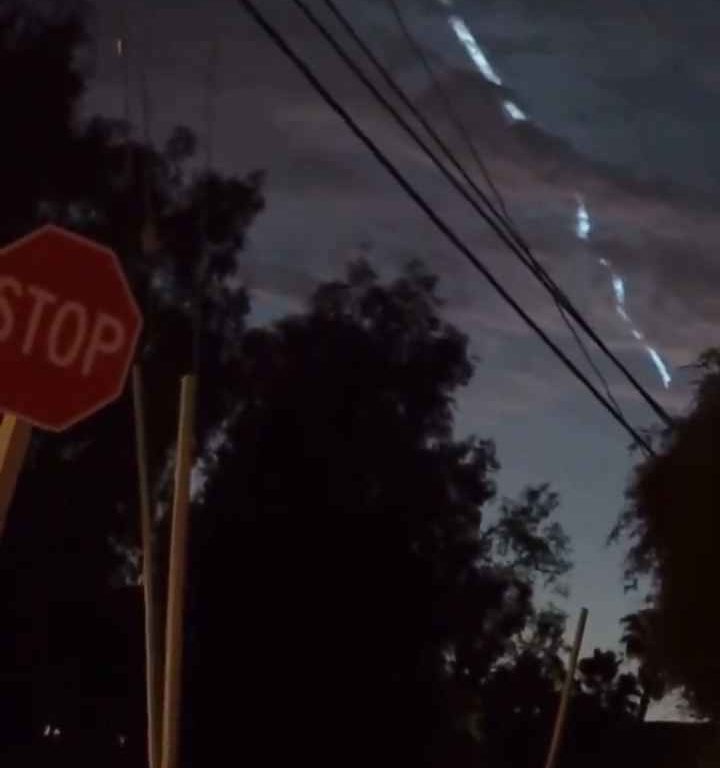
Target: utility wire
(529, 261)
(499, 225)
(452, 114)
(461, 129)
(280, 41)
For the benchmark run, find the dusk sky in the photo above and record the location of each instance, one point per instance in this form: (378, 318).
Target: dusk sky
(621, 101)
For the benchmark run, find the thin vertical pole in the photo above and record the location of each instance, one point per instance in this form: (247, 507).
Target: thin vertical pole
(14, 440)
(153, 667)
(176, 579)
(566, 692)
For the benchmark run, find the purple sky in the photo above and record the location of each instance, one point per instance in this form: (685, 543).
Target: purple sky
(621, 105)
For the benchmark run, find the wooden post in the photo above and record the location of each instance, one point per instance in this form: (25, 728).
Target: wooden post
(14, 441)
(153, 663)
(176, 579)
(566, 692)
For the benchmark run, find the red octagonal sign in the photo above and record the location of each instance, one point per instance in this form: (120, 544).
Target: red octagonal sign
(68, 327)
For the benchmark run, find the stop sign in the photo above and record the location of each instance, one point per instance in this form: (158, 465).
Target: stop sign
(68, 327)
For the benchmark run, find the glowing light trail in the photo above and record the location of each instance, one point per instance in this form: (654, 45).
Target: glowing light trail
(513, 111)
(582, 221)
(583, 225)
(465, 36)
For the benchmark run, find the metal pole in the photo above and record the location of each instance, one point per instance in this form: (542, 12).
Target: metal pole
(176, 579)
(566, 692)
(153, 664)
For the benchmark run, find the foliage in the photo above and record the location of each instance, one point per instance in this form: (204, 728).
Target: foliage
(71, 647)
(363, 571)
(641, 640)
(351, 598)
(672, 525)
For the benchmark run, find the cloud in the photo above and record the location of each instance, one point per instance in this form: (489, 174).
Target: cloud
(326, 194)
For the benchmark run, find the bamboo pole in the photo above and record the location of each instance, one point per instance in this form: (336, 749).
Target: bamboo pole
(566, 692)
(15, 436)
(176, 579)
(153, 659)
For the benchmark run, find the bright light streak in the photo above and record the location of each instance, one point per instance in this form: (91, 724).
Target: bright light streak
(660, 365)
(582, 229)
(619, 289)
(582, 221)
(583, 225)
(120, 46)
(465, 36)
(513, 111)
(46, 732)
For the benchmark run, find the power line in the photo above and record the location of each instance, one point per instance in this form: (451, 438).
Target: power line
(460, 127)
(447, 103)
(500, 226)
(280, 41)
(531, 263)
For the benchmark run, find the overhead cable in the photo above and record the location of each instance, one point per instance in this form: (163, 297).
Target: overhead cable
(279, 40)
(502, 228)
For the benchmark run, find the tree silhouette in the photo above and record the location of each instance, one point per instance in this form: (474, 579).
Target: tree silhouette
(350, 597)
(345, 586)
(672, 525)
(43, 53)
(71, 647)
(640, 638)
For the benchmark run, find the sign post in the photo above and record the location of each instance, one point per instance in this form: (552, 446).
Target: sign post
(153, 658)
(68, 329)
(176, 577)
(14, 441)
(69, 325)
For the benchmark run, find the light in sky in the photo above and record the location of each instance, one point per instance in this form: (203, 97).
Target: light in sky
(619, 288)
(582, 230)
(583, 225)
(582, 221)
(465, 36)
(660, 365)
(513, 111)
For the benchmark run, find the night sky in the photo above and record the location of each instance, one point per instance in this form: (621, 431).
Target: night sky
(622, 100)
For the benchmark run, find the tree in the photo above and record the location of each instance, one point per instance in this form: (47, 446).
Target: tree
(346, 587)
(71, 648)
(41, 83)
(672, 526)
(603, 687)
(641, 644)
(347, 592)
